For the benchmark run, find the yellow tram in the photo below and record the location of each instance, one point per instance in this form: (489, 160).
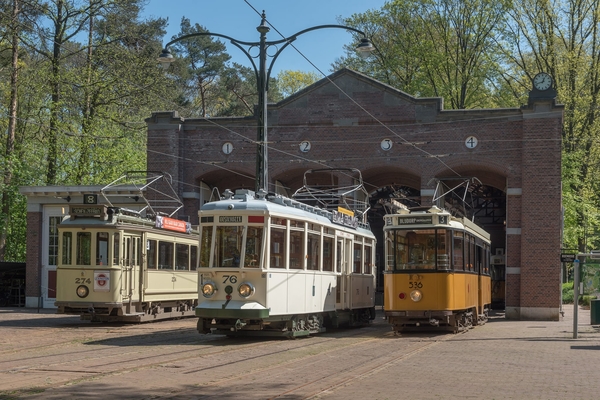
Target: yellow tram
(437, 271)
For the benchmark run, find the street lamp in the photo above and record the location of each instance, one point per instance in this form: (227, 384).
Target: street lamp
(262, 78)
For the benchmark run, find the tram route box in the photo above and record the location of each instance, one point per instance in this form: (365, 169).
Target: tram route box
(90, 198)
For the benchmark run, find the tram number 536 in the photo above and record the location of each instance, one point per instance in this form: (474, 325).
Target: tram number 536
(415, 285)
(229, 278)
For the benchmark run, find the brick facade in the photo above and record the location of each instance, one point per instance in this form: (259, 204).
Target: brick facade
(347, 116)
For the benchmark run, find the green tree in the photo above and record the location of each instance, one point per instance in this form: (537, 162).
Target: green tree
(433, 48)
(562, 38)
(290, 82)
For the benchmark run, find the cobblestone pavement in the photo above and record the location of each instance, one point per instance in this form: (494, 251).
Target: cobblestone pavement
(47, 356)
(503, 359)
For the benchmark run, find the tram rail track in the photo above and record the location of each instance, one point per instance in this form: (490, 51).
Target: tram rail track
(171, 360)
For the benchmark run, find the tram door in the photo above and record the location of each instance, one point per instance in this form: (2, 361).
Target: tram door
(343, 268)
(130, 268)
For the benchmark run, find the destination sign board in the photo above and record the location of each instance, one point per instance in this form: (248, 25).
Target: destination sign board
(173, 224)
(87, 211)
(425, 219)
(344, 219)
(230, 219)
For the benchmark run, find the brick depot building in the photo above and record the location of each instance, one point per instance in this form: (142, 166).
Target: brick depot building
(401, 144)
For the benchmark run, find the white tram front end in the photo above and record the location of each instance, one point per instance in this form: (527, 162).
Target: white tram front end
(270, 265)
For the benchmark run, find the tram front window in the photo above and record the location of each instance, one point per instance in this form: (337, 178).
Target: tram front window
(228, 246)
(418, 249)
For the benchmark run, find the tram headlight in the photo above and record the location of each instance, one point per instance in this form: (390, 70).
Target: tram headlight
(82, 291)
(416, 295)
(208, 289)
(246, 289)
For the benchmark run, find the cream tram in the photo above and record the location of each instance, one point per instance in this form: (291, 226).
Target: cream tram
(437, 270)
(115, 265)
(270, 265)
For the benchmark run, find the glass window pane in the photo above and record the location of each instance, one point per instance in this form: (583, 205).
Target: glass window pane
(151, 250)
(296, 250)
(205, 245)
(277, 248)
(165, 255)
(182, 257)
(228, 246)
(356, 267)
(194, 258)
(457, 251)
(443, 249)
(313, 251)
(102, 248)
(67, 246)
(253, 247)
(53, 239)
(327, 253)
(84, 248)
(116, 243)
(368, 255)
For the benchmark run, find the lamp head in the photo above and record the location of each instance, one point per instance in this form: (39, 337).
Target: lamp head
(166, 58)
(365, 48)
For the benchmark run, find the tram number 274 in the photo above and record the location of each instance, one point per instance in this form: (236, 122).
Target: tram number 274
(415, 285)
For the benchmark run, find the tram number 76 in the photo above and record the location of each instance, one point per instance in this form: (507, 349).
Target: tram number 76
(415, 285)
(229, 278)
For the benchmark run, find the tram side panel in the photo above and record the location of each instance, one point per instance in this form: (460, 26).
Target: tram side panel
(362, 291)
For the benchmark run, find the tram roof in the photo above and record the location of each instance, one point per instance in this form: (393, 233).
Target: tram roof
(246, 200)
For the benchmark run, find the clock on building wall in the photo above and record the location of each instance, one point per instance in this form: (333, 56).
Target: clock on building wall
(227, 148)
(305, 146)
(386, 144)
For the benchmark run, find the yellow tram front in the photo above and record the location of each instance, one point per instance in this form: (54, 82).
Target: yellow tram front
(437, 271)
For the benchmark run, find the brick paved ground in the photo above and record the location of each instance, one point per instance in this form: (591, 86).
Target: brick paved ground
(503, 359)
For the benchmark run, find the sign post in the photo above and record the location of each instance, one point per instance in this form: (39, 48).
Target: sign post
(576, 266)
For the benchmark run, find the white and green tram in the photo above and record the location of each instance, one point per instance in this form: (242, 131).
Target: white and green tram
(270, 265)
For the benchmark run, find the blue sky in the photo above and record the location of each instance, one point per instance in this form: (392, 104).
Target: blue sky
(237, 19)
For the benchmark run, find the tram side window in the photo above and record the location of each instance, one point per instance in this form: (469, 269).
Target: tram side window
(368, 255)
(137, 249)
(458, 261)
(151, 249)
(296, 249)
(253, 247)
(194, 258)
(116, 242)
(443, 249)
(356, 268)
(205, 245)
(84, 248)
(327, 253)
(165, 255)
(182, 257)
(486, 259)
(67, 246)
(228, 246)
(101, 248)
(390, 250)
(126, 250)
(471, 249)
(277, 248)
(313, 251)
